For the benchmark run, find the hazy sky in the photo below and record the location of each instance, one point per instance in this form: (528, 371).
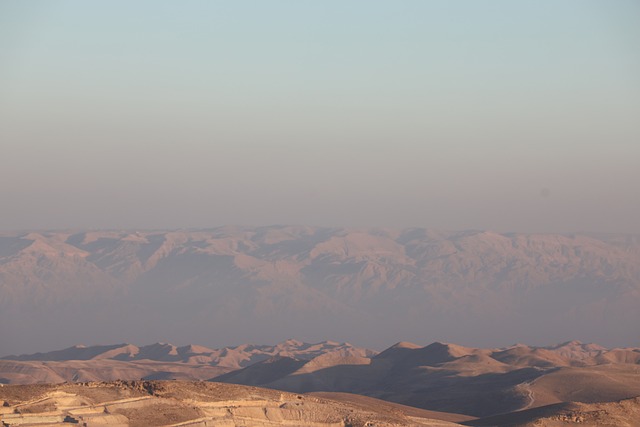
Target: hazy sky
(505, 115)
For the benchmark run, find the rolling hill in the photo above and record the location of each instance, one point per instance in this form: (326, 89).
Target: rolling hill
(155, 361)
(438, 377)
(451, 378)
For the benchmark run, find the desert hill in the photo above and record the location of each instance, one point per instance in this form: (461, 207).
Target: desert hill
(201, 404)
(196, 404)
(227, 357)
(438, 377)
(269, 283)
(624, 413)
(157, 361)
(451, 378)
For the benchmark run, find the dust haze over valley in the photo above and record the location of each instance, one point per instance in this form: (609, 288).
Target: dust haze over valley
(373, 287)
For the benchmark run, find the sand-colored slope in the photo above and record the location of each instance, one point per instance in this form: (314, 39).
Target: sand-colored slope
(13, 372)
(31, 372)
(370, 402)
(590, 384)
(624, 413)
(193, 404)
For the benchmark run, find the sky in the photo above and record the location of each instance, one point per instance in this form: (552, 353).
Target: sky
(503, 115)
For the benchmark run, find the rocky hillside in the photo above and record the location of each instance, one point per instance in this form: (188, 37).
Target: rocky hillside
(197, 404)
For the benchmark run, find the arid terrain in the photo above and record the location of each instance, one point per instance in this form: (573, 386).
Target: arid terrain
(156, 361)
(452, 378)
(445, 378)
(232, 285)
(320, 213)
(175, 403)
(624, 413)
(201, 404)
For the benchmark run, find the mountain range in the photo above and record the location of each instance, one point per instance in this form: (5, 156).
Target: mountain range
(231, 285)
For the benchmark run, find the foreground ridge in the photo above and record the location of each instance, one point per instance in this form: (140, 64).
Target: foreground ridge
(199, 404)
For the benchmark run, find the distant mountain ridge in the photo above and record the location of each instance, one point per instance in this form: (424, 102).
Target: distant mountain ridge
(242, 284)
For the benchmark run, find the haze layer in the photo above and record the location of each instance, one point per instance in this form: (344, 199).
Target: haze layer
(373, 287)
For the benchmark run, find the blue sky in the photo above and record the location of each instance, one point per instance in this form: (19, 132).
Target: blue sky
(504, 115)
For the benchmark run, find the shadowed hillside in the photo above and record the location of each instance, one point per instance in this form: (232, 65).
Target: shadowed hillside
(452, 378)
